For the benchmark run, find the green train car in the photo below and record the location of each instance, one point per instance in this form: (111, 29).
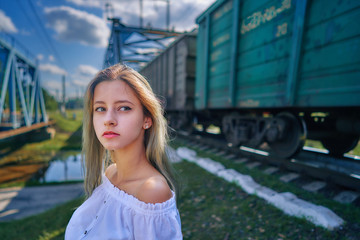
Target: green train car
(280, 72)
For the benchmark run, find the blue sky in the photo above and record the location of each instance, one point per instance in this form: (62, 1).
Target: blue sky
(69, 37)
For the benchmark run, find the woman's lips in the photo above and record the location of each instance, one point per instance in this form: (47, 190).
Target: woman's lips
(110, 134)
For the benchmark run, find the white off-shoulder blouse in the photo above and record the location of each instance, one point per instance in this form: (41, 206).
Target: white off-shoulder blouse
(110, 213)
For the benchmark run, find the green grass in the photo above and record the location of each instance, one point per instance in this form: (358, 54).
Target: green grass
(349, 213)
(210, 208)
(51, 224)
(68, 133)
(273, 182)
(67, 139)
(68, 124)
(48, 225)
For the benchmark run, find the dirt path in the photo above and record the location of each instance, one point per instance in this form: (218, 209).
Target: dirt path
(17, 202)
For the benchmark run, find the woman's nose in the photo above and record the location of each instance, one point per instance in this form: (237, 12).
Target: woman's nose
(110, 119)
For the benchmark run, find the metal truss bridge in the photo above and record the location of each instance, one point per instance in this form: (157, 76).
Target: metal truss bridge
(22, 106)
(135, 46)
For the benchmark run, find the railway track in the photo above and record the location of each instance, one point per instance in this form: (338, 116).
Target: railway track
(311, 169)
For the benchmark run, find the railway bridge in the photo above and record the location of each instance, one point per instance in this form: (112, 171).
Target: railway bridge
(22, 106)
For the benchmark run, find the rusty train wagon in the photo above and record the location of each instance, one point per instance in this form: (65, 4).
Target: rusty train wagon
(172, 77)
(281, 72)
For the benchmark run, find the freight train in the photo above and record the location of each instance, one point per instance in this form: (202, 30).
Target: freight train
(267, 71)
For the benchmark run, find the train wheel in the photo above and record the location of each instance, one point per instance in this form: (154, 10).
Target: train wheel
(340, 144)
(292, 138)
(229, 129)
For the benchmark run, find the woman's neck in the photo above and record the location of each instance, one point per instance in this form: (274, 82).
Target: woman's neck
(129, 162)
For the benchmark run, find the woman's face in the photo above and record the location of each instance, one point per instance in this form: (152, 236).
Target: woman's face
(118, 116)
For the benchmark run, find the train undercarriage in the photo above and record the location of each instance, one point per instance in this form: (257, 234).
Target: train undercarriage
(284, 131)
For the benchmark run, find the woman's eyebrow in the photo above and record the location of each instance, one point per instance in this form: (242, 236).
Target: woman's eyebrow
(116, 102)
(123, 101)
(99, 102)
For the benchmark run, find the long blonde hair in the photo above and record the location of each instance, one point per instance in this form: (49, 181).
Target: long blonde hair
(95, 157)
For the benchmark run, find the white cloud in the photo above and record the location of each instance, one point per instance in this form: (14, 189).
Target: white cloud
(86, 3)
(40, 57)
(6, 24)
(51, 58)
(52, 69)
(83, 75)
(87, 70)
(183, 13)
(55, 87)
(52, 85)
(80, 83)
(75, 25)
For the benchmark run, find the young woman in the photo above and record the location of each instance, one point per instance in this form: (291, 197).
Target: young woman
(125, 133)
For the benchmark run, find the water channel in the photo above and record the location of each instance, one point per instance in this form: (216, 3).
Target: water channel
(42, 167)
(59, 170)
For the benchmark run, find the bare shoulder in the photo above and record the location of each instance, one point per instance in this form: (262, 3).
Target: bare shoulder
(110, 170)
(154, 190)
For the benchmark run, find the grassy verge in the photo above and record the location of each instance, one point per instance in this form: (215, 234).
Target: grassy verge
(273, 182)
(210, 208)
(19, 160)
(68, 133)
(349, 213)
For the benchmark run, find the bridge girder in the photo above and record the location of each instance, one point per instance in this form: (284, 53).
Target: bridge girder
(135, 46)
(19, 81)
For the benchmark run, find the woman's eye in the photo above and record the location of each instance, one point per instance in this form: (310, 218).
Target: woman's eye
(99, 109)
(125, 108)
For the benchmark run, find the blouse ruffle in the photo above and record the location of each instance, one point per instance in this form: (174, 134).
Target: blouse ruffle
(134, 203)
(111, 213)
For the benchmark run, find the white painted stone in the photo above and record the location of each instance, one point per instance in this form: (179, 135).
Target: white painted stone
(227, 174)
(246, 182)
(249, 185)
(314, 186)
(287, 202)
(265, 193)
(347, 196)
(318, 215)
(210, 165)
(187, 154)
(172, 156)
(289, 177)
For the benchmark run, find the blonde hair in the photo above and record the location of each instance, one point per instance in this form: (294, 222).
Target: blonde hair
(95, 156)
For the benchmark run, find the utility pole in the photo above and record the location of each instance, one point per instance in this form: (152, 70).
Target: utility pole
(62, 110)
(168, 15)
(141, 13)
(57, 95)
